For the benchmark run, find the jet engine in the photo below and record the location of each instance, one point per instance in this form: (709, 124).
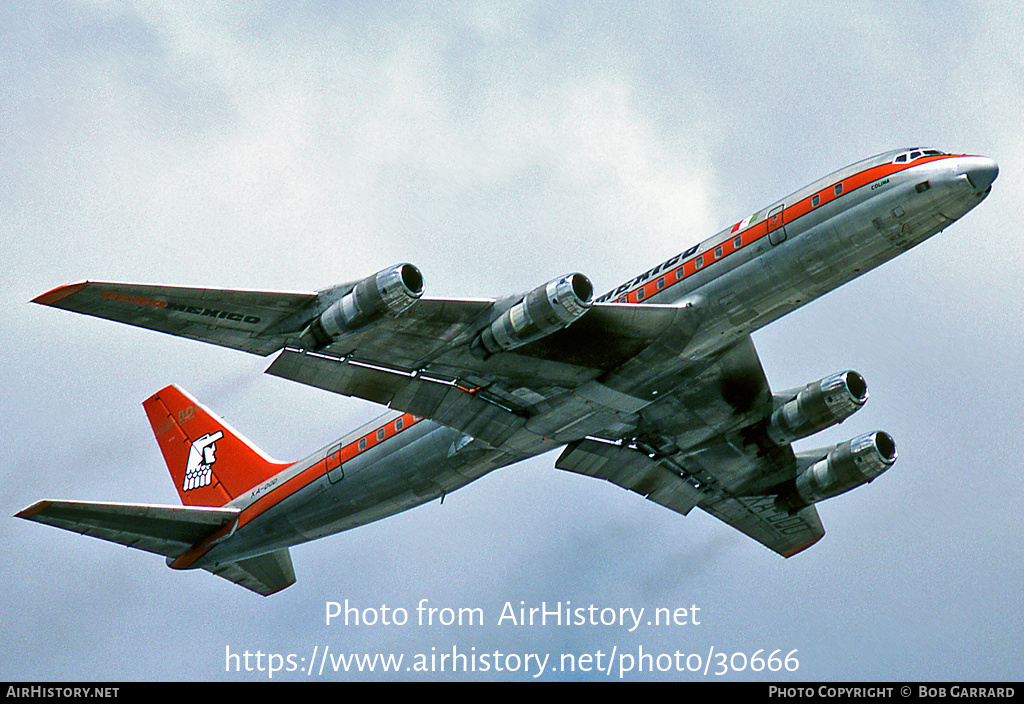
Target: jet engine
(541, 312)
(846, 466)
(388, 292)
(817, 406)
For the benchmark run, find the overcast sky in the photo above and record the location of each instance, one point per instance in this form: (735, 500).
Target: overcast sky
(496, 146)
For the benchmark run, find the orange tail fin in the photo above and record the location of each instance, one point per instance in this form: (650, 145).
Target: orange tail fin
(210, 462)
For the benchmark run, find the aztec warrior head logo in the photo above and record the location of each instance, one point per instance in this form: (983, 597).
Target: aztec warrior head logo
(201, 457)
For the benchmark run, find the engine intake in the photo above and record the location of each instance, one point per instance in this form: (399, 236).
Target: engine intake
(386, 293)
(544, 310)
(817, 406)
(847, 465)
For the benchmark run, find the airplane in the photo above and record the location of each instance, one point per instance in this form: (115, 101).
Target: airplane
(654, 386)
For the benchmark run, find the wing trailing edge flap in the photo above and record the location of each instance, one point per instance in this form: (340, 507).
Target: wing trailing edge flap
(264, 574)
(633, 470)
(732, 393)
(500, 398)
(443, 401)
(755, 516)
(163, 530)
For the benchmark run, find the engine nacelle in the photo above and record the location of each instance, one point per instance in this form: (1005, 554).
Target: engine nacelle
(817, 406)
(388, 292)
(847, 465)
(544, 310)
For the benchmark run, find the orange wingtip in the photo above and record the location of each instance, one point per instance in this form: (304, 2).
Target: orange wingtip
(33, 509)
(59, 293)
(801, 548)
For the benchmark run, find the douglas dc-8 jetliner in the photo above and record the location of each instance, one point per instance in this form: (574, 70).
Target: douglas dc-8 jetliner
(655, 386)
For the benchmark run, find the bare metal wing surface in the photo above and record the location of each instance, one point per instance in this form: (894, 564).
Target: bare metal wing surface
(421, 360)
(221, 317)
(705, 444)
(614, 374)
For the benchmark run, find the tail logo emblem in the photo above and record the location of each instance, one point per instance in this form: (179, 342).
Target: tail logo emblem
(201, 457)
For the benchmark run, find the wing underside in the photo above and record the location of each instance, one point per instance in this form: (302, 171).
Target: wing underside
(666, 483)
(699, 446)
(617, 386)
(759, 518)
(230, 318)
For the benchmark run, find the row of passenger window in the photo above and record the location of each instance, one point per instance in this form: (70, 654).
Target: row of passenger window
(698, 264)
(837, 190)
(381, 432)
(816, 198)
(737, 242)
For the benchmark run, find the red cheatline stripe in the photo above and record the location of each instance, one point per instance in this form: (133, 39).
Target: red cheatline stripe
(296, 483)
(760, 229)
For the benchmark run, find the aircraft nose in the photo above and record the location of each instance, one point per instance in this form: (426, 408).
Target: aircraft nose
(980, 171)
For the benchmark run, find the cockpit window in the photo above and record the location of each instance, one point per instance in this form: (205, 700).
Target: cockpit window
(906, 157)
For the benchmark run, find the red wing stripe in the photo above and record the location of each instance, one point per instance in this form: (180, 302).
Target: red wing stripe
(33, 509)
(51, 297)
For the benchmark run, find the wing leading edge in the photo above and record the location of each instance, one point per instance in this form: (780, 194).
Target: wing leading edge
(230, 318)
(680, 431)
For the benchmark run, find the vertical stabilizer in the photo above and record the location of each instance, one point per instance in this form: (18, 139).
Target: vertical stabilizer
(209, 461)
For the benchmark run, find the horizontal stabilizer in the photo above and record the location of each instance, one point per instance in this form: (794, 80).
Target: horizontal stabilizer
(264, 574)
(164, 530)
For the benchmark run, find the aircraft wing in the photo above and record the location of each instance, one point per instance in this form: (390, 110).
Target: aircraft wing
(616, 375)
(424, 366)
(620, 375)
(665, 481)
(703, 445)
(230, 318)
(758, 517)
(263, 322)
(419, 361)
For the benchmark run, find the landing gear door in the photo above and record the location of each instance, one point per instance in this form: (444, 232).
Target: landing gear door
(776, 227)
